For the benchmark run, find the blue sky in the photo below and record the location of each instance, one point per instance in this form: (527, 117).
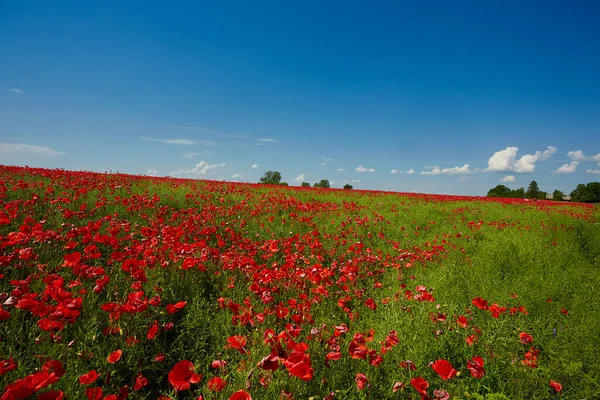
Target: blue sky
(464, 94)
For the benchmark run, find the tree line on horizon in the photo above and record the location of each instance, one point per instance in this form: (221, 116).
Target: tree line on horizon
(583, 193)
(274, 178)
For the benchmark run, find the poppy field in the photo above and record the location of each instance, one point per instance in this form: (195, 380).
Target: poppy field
(117, 286)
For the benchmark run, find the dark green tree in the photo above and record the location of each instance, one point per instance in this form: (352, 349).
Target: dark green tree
(558, 195)
(533, 190)
(589, 193)
(324, 183)
(499, 191)
(271, 178)
(305, 184)
(518, 193)
(348, 186)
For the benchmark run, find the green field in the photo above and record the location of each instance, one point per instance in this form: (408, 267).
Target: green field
(329, 283)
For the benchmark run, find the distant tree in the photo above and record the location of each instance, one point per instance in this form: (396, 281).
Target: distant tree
(324, 183)
(499, 191)
(558, 195)
(580, 194)
(271, 177)
(305, 184)
(283, 183)
(589, 193)
(348, 186)
(533, 190)
(518, 193)
(542, 195)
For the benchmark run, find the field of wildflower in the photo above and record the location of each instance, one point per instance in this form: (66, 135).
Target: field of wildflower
(116, 286)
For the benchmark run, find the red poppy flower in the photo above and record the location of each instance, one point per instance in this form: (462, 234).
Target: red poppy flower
(556, 386)
(94, 393)
(114, 356)
(140, 382)
(444, 369)
(408, 365)
(216, 384)
(496, 310)
(52, 395)
(269, 363)
(89, 378)
(238, 343)
(471, 339)
(361, 381)
(531, 358)
(480, 303)
(475, 366)
(182, 375)
(240, 395)
(525, 338)
(153, 331)
(173, 308)
(218, 364)
(462, 321)
(4, 315)
(298, 364)
(397, 386)
(371, 304)
(7, 365)
(391, 340)
(420, 385)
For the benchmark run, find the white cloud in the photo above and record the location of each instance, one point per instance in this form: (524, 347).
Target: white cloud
(152, 172)
(578, 155)
(20, 148)
(593, 171)
(237, 176)
(267, 140)
(508, 178)
(195, 154)
(326, 161)
(436, 170)
(363, 169)
(254, 166)
(201, 169)
(352, 181)
(185, 142)
(567, 168)
(506, 160)
(395, 171)
(341, 170)
(503, 160)
(300, 178)
(410, 172)
(17, 91)
(546, 154)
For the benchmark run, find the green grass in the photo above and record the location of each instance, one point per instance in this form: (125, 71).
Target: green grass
(331, 245)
